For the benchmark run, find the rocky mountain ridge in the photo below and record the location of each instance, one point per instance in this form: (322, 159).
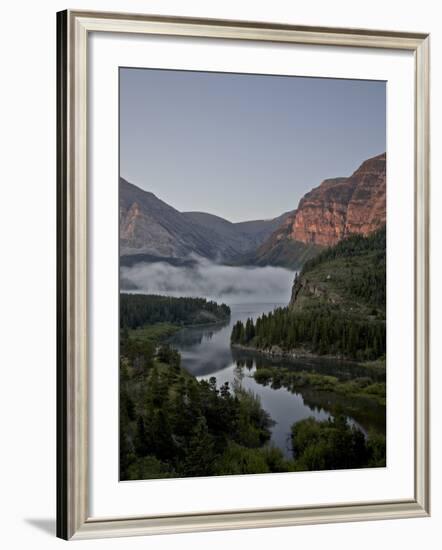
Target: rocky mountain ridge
(341, 207)
(337, 208)
(152, 229)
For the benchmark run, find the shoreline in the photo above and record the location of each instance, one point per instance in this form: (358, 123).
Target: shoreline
(205, 325)
(177, 327)
(276, 352)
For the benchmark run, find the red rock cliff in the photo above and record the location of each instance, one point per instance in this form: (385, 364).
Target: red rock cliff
(342, 206)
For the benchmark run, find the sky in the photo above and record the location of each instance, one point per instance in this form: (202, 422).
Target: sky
(244, 146)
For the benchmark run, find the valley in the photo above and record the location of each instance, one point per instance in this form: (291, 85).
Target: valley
(151, 230)
(257, 346)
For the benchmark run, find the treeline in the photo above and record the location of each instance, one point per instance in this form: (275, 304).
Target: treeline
(137, 310)
(351, 324)
(334, 444)
(354, 245)
(367, 279)
(172, 425)
(297, 381)
(320, 329)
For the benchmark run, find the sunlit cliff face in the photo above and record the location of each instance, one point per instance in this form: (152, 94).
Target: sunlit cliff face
(342, 206)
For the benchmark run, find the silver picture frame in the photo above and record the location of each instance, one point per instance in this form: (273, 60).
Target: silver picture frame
(73, 518)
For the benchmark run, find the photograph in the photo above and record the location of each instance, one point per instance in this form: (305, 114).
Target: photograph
(252, 272)
(243, 303)
(222, 275)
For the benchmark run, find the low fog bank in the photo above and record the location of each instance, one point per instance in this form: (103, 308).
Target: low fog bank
(222, 283)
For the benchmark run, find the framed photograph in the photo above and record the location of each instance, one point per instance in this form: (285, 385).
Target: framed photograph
(243, 273)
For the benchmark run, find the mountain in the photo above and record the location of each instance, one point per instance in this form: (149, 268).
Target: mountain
(349, 276)
(334, 210)
(260, 230)
(343, 206)
(280, 250)
(337, 307)
(150, 229)
(242, 236)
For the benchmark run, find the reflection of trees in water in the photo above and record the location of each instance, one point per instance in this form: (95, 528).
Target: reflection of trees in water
(343, 370)
(248, 363)
(238, 377)
(186, 338)
(364, 410)
(369, 414)
(200, 359)
(194, 336)
(218, 355)
(204, 364)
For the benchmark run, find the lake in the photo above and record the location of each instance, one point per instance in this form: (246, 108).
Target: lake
(206, 352)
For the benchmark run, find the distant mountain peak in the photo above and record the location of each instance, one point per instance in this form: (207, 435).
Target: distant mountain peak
(149, 227)
(336, 208)
(127, 187)
(333, 210)
(343, 206)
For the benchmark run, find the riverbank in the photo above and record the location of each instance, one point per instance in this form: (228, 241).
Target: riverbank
(277, 352)
(173, 424)
(297, 353)
(160, 332)
(170, 370)
(296, 381)
(367, 385)
(157, 332)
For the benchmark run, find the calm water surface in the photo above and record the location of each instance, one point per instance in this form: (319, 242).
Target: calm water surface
(206, 352)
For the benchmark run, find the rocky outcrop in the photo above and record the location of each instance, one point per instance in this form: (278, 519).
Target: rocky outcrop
(335, 209)
(304, 290)
(351, 276)
(343, 206)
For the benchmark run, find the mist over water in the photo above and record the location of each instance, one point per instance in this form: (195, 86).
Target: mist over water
(206, 350)
(206, 279)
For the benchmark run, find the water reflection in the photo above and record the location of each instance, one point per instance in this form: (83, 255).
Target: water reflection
(206, 352)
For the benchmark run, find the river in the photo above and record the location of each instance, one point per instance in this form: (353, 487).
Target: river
(206, 352)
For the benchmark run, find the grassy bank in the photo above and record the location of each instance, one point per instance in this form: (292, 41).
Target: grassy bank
(154, 333)
(295, 381)
(172, 425)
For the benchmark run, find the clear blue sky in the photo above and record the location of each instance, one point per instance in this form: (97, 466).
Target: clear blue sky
(244, 146)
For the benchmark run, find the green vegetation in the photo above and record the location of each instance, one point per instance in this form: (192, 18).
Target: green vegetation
(334, 444)
(137, 310)
(154, 333)
(295, 381)
(358, 266)
(172, 425)
(337, 307)
(319, 329)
